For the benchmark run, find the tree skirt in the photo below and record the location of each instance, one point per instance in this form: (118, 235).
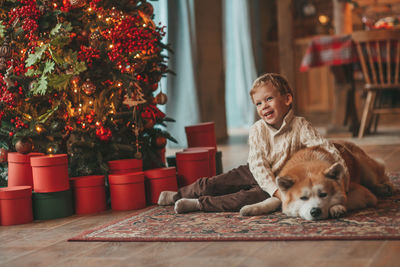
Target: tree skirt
(162, 224)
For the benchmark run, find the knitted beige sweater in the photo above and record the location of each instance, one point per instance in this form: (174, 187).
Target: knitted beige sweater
(269, 148)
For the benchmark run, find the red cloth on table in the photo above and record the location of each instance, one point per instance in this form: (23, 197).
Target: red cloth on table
(328, 51)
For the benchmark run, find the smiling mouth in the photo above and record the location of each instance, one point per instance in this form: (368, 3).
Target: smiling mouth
(268, 114)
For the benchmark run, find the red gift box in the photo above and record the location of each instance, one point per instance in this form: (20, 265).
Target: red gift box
(19, 168)
(127, 191)
(89, 194)
(192, 165)
(211, 157)
(202, 134)
(158, 180)
(50, 173)
(125, 166)
(15, 205)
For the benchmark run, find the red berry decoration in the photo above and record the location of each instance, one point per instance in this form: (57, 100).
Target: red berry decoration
(104, 134)
(3, 155)
(149, 123)
(24, 145)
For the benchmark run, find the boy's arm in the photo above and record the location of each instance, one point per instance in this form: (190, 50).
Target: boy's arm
(311, 137)
(258, 163)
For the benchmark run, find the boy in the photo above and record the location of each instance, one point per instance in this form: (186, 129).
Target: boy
(272, 140)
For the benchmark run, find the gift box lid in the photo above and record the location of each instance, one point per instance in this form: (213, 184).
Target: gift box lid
(208, 148)
(14, 192)
(22, 158)
(123, 164)
(49, 160)
(198, 154)
(56, 195)
(200, 127)
(160, 173)
(87, 181)
(126, 178)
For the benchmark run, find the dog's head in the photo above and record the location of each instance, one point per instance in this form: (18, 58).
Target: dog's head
(310, 190)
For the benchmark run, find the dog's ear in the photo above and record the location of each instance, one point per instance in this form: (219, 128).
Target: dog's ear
(335, 171)
(284, 182)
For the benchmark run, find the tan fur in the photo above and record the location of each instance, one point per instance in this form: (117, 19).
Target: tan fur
(314, 186)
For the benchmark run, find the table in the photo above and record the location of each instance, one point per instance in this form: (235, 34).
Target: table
(337, 51)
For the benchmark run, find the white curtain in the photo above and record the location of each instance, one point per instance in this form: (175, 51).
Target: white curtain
(240, 69)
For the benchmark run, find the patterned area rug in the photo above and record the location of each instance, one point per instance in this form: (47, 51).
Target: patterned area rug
(162, 224)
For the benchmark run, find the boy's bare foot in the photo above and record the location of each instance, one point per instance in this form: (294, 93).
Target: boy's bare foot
(184, 205)
(166, 198)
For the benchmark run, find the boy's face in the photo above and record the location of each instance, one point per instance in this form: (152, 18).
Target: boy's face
(271, 105)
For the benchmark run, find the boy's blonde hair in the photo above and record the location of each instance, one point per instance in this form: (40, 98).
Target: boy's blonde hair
(274, 79)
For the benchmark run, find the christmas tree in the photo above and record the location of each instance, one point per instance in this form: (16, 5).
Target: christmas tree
(79, 77)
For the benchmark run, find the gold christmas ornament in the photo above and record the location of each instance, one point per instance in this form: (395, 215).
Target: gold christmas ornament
(88, 87)
(77, 3)
(147, 9)
(24, 145)
(95, 38)
(161, 98)
(5, 49)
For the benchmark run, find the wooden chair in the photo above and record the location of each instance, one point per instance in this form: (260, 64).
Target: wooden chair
(379, 55)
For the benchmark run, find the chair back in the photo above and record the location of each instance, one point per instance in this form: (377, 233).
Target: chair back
(379, 55)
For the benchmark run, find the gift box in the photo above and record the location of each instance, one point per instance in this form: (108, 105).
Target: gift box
(50, 173)
(158, 180)
(202, 134)
(89, 194)
(19, 168)
(192, 165)
(53, 205)
(15, 205)
(127, 191)
(211, 157)
(125, 166)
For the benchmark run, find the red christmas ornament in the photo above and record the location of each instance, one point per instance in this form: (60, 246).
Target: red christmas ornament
(149, 123)
(104, 134)
(154, 86)
(3, 155)
(160, 141)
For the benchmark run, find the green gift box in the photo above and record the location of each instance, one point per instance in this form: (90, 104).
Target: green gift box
(52, 205)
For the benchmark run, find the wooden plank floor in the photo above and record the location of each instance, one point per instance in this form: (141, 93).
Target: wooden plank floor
(43, 243)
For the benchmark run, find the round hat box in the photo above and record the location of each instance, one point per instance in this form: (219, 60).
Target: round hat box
(89, 194)
(127, 191)
(50, 173)
(15, 205)
(158, 180)
(192, 165)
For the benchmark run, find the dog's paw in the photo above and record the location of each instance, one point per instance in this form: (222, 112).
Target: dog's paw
(384, 190)
(337, 211)
(248, 210)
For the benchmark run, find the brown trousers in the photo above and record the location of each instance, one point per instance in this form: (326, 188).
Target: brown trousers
(225, 192)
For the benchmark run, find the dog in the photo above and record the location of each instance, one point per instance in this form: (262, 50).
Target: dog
(314, 186)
